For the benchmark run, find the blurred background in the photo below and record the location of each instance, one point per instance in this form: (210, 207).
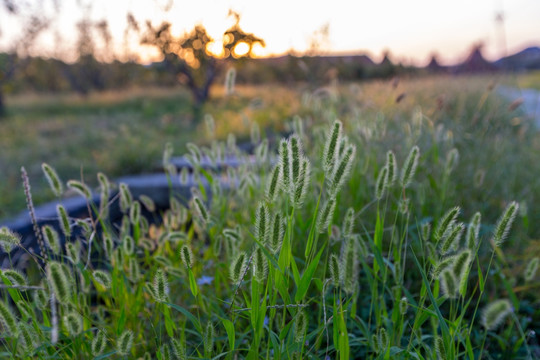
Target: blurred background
(100, 85)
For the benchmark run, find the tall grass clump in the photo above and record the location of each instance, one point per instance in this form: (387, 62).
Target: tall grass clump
(346, 239)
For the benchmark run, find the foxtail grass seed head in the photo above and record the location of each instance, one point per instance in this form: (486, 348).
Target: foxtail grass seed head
(124, 343)
(449, 284)
(276, 233)
(300, 189)
(331, 146)
(349, 267)
(261, 152)
(531, 269)
(73, 252)
(161, 286)
(403, 306)
(104, 182)
(334, 267)
(461, 269)
(382, 340)
(108, 244)
(325, 215)
(262, 223)
(16, 277)
(167, 154)
(126, 199)
(348, 223)
(391, 165)
(52, 239)
(230, 80)
(53, 179)
(8, 239)
(41, 299)
(98, 343)
(59, 282)
(208, 338)
(495, 313)
(28, 336)
(450, 240)
(200, 210)
(135, 212)
(80, 188)
(103, 278)
(505, 223)
(439, 348)
(238, 268)
(452, 159)
(295, 150)
(260, 266)
(273, 184)
(472, 231)
(446, 223)
(7, 320)
(64, 220)
(178, 349)
(300, 326)
(134, 272)
(187, 256)
(128, 244)
(184, 176)
(426, 231)
(166, 352)
(284, 164)
(73, 323)
(342, 169)
(382, 183)
(409, 167)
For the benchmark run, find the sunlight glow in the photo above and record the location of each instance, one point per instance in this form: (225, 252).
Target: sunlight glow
(240, 49)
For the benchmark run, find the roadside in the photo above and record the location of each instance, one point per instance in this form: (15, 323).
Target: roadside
(530, 98)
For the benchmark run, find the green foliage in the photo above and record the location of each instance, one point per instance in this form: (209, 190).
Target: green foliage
(311, 258)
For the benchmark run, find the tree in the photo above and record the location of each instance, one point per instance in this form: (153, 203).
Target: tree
(189, 58)
(33, 23)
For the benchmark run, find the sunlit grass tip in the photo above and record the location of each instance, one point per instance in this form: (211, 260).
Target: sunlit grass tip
(382, 183)
(276, 233)
(80, 188)
(8, 320)
(262, 223)
(531, 269)
(63, 218)
(409, 167)
(59, 281)
(238, 267)
(98, 343)
(53, 179)
(495, 313)
(186, 255)
(473, 231)
(391, 165)
(8, 239)
(342, 169)
(446, 223)
(300, 326)
(504, 224)
(331, 146)
(125, 343)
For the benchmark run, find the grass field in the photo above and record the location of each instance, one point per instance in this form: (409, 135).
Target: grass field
(408, 229)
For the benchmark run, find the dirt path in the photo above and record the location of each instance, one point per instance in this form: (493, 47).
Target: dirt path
(531, 101)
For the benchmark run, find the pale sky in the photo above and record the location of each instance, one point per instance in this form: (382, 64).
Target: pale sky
(410, 29)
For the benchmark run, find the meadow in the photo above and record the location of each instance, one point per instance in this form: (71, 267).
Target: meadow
(380, 220)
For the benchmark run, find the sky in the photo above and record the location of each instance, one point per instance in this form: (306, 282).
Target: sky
(411, 30)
